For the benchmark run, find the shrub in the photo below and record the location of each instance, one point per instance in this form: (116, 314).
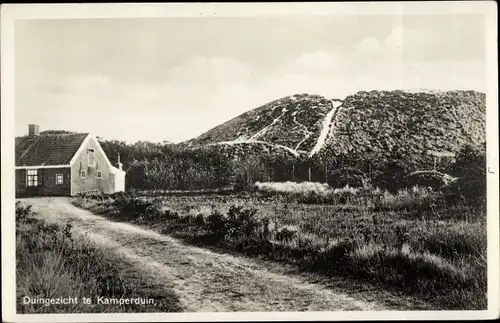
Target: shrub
(339, 251)
(434, 179)
(285, 235)
(22, 212)
(172, 215)
(132, 206)
(199, 220)
(217, 225)
(470, 168)
(243, 222)
(122, 195)
(392, 177)
(345, 194)
(347, 176)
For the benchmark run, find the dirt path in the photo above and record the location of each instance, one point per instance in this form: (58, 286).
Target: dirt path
(203, 280)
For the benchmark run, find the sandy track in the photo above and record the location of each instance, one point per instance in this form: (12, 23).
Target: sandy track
(203, 280)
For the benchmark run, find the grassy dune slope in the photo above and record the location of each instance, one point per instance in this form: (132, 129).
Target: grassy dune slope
(292, 121)
(381, 123)
(373, 124)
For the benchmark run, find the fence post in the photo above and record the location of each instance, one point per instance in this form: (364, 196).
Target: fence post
(309, 173)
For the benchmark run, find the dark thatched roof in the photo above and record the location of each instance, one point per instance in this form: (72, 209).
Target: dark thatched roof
(48, 149)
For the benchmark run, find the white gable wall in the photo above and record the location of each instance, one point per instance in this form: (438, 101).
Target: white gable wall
(108, 178)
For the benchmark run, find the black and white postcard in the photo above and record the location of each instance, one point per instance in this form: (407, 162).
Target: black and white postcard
(249, 161)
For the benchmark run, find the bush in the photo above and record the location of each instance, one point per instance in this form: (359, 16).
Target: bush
(239, 224)
(122, 195)
(243, 223)
(285, 235)
(470, 168)
(134, 207)
(171, 215)
(199, 220)
(347, 176)
(391, 178)
(434, 179)
(23, 213)
(338, 254)
(217, 225)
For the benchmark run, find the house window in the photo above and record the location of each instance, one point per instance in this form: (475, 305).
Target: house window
(32, 177)
(83, 174)
(91, 155)
(99, 174)
(59, 178)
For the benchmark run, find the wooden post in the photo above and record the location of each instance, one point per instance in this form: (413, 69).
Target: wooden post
(293, 173)
(309, 173)
(326, 174)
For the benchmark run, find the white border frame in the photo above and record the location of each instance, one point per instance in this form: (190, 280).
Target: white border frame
(9, 13)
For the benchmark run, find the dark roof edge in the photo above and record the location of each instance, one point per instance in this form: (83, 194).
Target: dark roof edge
(55, 134)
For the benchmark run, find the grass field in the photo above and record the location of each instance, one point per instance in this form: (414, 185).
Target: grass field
(410, 242)
(51, 263)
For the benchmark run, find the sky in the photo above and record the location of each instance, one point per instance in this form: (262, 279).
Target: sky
(172, 79)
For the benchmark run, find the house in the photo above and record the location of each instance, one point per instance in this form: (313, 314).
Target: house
(60, 163)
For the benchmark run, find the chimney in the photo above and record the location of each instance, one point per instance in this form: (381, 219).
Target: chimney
(33, 130)
(119, 164)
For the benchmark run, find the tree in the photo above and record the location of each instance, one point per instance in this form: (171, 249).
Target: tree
(390, 173)
(249, 170)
